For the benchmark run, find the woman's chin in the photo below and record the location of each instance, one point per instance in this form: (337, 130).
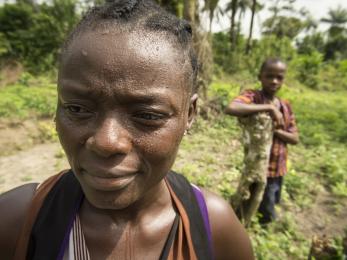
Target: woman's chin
(111, 200)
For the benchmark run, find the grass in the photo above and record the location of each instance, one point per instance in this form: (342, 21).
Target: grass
(21, 102)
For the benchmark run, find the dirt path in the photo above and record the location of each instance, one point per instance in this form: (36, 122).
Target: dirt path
(32, 165)
(326, 216)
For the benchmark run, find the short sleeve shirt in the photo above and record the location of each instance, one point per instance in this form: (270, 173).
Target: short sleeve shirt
(278, 154)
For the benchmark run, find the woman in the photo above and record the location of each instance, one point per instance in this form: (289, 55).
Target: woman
(126, 96)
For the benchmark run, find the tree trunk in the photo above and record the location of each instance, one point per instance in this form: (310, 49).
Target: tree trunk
(238, 32)
(210, 25)
(257, 141)
(248, 47)
(233, 24)
(202, 46)
(190, 10)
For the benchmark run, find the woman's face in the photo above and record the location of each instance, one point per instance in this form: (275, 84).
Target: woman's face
(124, 103)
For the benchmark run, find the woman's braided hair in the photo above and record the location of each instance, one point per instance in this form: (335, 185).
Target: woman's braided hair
(143, 14)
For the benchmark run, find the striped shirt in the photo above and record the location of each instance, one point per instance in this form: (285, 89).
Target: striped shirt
(278, 153)
(76, 248)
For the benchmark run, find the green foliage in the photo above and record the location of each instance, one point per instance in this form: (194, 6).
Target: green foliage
(311, 43)
(237, 60)
(319, 114)
(34, 34)
(340, 189)
(223, 93)
(229, 61)
(281, 240)
(283, 26)
(20, 101)
(307, 67)
(333, 76)
(337, 34)
(295, 183)
(48, 131)
(335, 48)
(4, 45)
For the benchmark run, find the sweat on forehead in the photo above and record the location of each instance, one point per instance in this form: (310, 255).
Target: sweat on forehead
(105, 49)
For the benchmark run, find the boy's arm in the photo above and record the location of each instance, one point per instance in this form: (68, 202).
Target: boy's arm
(241, 109)
(288, 137)
(290, 134)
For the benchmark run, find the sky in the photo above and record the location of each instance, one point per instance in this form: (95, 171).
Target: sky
(318, 9)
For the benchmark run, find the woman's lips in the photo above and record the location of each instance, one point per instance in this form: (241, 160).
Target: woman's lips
(108, 182)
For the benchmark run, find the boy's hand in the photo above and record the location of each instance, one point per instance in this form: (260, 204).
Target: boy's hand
(277, 116)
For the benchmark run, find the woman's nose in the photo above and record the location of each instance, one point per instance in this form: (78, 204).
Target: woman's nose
(109, 138)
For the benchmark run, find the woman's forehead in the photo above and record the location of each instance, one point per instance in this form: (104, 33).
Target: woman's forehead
(142, 46)
(136, 60)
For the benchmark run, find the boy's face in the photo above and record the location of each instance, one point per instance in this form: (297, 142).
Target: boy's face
(272, 77)
(124, 104)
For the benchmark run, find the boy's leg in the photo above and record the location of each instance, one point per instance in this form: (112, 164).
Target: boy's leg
(267, 206)
(279, 191)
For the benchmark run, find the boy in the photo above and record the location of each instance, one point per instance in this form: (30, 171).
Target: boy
(271, 76)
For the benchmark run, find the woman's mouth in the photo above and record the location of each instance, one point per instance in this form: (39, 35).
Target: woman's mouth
(108, 182)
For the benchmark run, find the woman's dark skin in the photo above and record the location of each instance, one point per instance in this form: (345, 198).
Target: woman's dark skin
(271, 77)
(124, 103)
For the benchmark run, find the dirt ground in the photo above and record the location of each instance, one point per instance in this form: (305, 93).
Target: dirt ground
(24, 158)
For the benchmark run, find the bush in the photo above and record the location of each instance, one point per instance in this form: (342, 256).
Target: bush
(22, 102)
(307, 67)
(34, 34)
(333, 76)
(4, 45)
(223, 92)
(320, 116)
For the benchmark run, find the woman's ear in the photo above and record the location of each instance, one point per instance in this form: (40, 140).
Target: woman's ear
(192, 110)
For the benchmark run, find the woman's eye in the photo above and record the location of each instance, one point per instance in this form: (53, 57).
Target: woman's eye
(151, 119)
(150, 116)
(77, 110)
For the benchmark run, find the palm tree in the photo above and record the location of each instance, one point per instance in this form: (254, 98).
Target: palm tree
(254, 9)
(233, 7)
(337, 20)
(242, 7)
(337, 41)
(211, 7)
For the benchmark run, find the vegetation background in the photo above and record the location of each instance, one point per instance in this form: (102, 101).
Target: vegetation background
(313, 213)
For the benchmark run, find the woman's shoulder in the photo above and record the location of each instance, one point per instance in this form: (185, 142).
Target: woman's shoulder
(229, 238)
(13, 207)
